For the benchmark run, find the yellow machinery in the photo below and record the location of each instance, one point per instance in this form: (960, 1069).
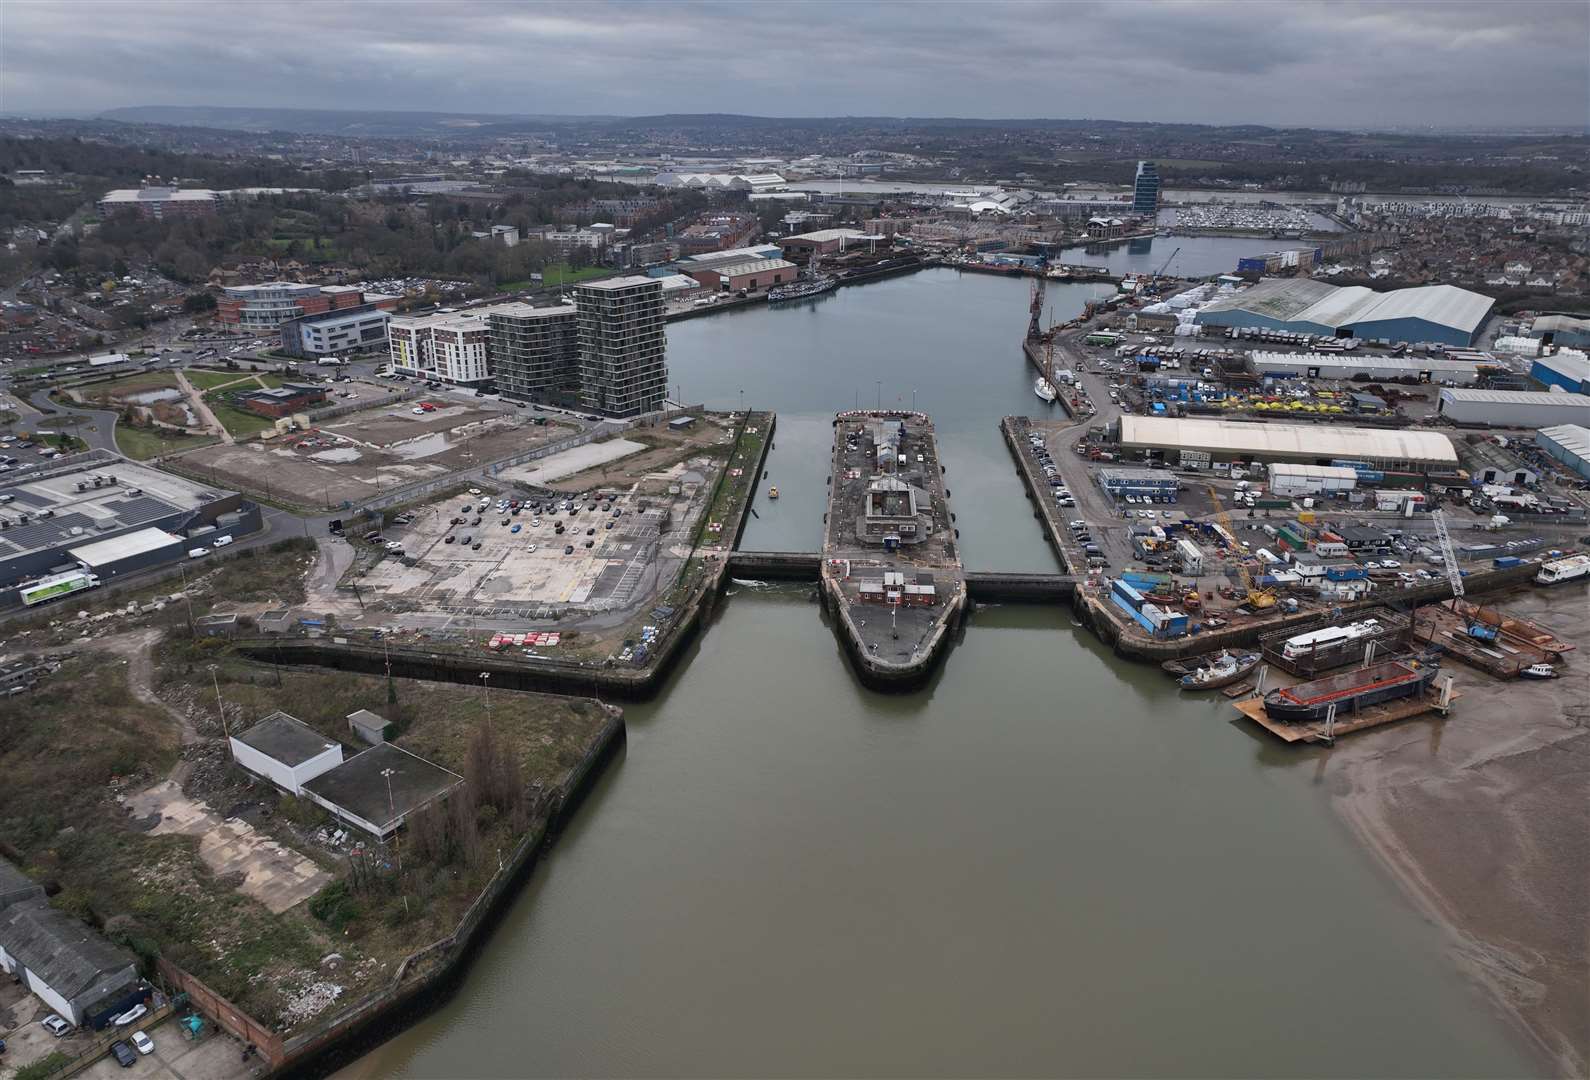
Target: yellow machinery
(1258, 599)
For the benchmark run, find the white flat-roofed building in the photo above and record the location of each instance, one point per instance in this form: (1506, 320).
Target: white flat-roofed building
(1331, 366)
(1289, 478)
(160, 202)
(362, 329)
(129, 551)
(449, 347)
(1514, 408)
(286, 751)
(1309, 444)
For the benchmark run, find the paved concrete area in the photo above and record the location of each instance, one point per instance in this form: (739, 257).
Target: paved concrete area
(575, 460)
(214, 1056)
(276, 876)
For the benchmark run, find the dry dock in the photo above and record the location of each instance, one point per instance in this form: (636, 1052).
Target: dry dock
(1373, 716)
(891, 569)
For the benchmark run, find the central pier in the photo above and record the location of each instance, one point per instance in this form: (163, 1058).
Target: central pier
(891, 570)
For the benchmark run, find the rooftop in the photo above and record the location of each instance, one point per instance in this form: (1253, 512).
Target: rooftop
(753, 266)
(285, 739)
(823, 236)
(125, 546)
(1296, 440)
(1413, 364)
(614, 284)
(1516, 397)
(1571, 437)
(360, 785)
(1305, 300)
(1574, 367)
(61, 951)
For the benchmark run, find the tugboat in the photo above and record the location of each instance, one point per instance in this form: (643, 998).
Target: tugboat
(1226, 669)
(1351, 691)
(1538, 671)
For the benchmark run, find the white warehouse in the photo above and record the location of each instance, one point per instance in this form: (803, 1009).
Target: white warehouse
(1290, 479)
(1327, 366)
(1514, 408)
(286, 751)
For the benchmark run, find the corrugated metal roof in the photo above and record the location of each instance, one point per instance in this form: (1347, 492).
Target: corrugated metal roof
(116, 548)
(1313, 472)
(754, 266)
(1570, 366)
(1303, 440)
(1294, 361)
(1304, 300)
(1570, 437)
(1515, 397)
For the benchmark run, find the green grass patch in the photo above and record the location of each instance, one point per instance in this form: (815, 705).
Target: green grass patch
(554, 276)
(209, 380)
(239, 422)
(141, 443)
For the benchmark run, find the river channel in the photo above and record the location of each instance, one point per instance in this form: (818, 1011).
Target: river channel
(1045, 863)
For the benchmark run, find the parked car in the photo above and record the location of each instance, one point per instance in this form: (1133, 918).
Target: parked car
(516, 528)
(123, 1054)
(568, 549)
(56, 1026)
(143, 1043)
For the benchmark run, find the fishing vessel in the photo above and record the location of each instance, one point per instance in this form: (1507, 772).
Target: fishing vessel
(813, 284)
(1537, 671)
(1350, 691)
(1045, 389)
(1226, 669)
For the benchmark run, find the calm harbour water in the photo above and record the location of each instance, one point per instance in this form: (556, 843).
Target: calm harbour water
(1045, 863)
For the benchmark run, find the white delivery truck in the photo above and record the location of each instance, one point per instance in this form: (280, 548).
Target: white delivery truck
(58, 585)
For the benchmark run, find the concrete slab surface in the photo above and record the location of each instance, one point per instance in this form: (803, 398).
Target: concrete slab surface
(276, 876)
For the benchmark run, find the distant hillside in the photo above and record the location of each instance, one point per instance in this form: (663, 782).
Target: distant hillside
(351, 122)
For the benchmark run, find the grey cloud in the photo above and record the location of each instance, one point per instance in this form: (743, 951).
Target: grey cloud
(1300, 62)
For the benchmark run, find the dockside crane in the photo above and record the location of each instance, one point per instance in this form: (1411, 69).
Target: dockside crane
(1257, 598)
(1475, 628)
(1153, 282)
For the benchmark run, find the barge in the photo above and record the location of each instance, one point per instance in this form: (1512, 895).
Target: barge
(1350, 691)
(891, 570)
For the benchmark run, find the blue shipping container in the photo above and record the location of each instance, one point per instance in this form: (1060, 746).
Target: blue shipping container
(1508, 560)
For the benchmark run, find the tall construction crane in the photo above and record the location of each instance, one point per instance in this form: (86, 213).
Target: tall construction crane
(1035, 317)
(1153, 282)
(1454, 577)
(1475, 627)
(1257, 598)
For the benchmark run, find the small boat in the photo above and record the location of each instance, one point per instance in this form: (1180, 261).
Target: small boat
(1045, 389)
(1538, 671)
(772, 492)
(1227, 669)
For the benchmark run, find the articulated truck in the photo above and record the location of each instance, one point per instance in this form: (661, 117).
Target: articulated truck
(56, 586)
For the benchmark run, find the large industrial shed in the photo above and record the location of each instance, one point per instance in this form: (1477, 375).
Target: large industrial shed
(1438, 313)
(1330, 366)
(129, 552)
(1514, 408)
(1307, 444)
(1569, 444)
(1571, 371)
(1562, 330)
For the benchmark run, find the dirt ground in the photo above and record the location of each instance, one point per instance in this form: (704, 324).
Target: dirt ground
(712, 432)
(358, 456)
(1484, 819)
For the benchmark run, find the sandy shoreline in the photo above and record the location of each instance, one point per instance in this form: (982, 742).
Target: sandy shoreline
(1484, 822)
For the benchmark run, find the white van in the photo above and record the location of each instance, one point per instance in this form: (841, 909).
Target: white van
(198, 552)
(221, 541)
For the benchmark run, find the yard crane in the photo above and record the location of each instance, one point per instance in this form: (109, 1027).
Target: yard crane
(1475, 628)
(1257, 598)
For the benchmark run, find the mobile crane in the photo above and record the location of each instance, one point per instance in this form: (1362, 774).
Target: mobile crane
(1258, 599)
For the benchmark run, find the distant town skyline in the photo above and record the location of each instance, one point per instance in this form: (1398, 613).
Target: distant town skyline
(1305, 63)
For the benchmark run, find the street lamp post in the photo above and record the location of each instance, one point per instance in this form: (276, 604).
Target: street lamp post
(219, 708)
(397, 847)
(485, 685)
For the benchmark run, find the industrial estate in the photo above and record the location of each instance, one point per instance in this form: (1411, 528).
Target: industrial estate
(348, 571)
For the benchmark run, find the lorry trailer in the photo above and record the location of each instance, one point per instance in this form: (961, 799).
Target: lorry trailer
(59, 585)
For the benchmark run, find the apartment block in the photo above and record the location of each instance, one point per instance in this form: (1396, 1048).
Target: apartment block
(449, 347)
(535, 351)
(623, 364)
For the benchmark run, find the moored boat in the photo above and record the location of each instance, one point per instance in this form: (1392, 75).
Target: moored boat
(1350, 691)
(772, 492)
(1538, 671)
(1045, 389)
(1228, 668)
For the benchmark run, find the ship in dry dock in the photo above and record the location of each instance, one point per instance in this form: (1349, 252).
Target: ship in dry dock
(1350, 691)
(891, 562)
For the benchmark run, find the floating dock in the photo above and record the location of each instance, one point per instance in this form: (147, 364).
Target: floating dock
(1372, 716)
(891, 570)
(1503, 657)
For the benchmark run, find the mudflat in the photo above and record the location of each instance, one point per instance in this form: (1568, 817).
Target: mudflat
(1484, 819)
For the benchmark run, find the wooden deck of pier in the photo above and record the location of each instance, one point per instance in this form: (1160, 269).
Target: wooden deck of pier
(1374, 716)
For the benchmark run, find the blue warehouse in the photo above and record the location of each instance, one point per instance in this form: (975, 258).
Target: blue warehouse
(1430, 313)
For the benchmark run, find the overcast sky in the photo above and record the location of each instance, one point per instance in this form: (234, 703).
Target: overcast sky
(1338, 64)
